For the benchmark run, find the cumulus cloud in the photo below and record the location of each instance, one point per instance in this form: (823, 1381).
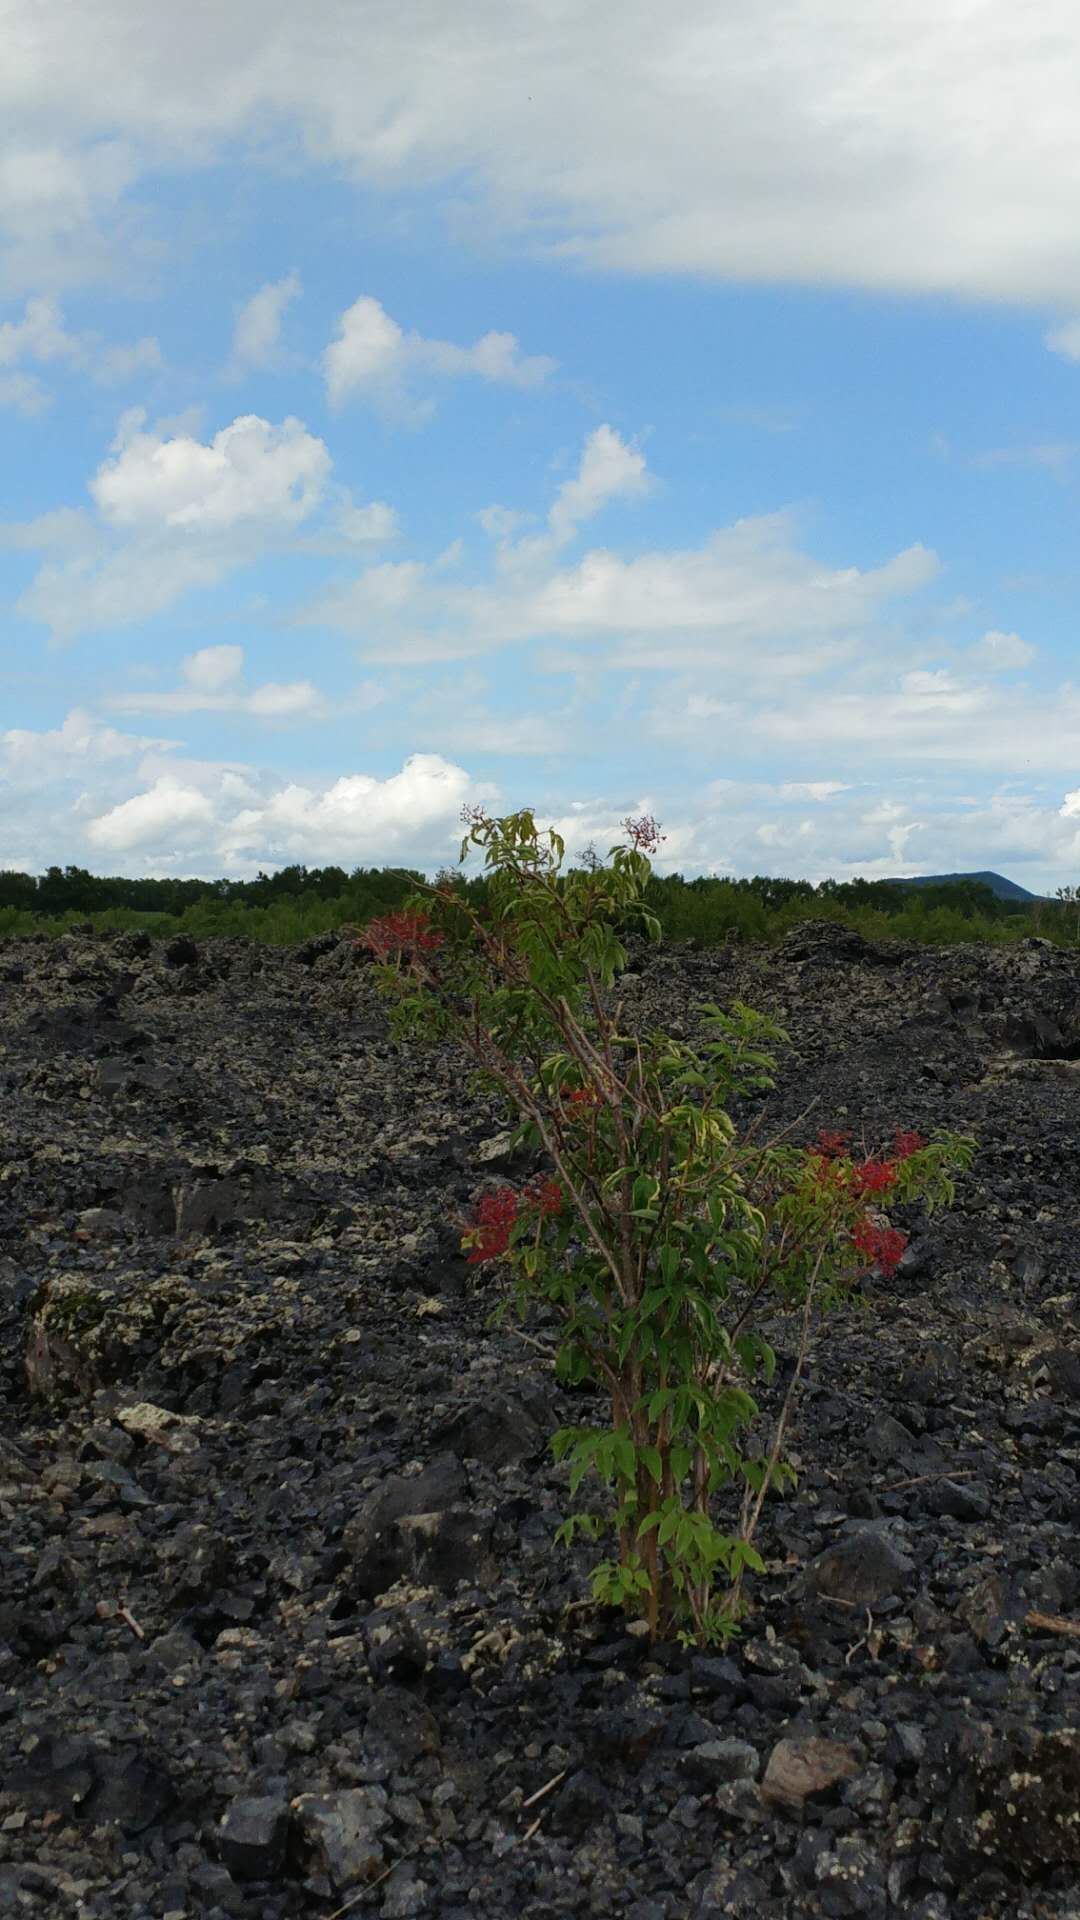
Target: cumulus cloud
(212, 683)
(747, 583)
(125, 802)
(80, 742)
(174, 514)
(823, 144)
(212, 669)
(749, 599)
(368, 526)
(356, 819)
(373, 358)
(119, 802)
(258, 325)
(152, 819)
(609, 470)
(249, 471)
(918, 719)
(357, 816)
(1001, 652)
(116, 586)
(41, 336)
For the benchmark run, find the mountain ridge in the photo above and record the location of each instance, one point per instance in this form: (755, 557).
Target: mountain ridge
(998, 883)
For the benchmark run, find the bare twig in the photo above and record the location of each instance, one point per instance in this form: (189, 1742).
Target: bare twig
(540, 1345)
(924, 1479)
(549, 1786)
(370, 1888)
(751, 1513)
(864, 1642)
(1052, 1623)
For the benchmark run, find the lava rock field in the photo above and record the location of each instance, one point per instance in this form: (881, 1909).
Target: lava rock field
(284, 1629)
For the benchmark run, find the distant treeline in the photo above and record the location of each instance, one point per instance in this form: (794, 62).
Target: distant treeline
(298, 901)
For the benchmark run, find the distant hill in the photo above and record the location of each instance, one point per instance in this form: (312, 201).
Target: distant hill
(1005, 889)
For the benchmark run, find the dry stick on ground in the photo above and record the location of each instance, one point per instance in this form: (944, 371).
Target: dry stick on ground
(548, 1787)
(540, 1794)
(1052, 1623)
(370, 1888)
(924, 1479)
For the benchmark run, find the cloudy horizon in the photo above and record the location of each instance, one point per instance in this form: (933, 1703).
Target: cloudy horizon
(595, 409)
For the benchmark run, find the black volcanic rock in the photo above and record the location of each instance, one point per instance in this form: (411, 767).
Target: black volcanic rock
(283, 1620)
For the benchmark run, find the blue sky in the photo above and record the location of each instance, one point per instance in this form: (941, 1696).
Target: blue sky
(586, 407)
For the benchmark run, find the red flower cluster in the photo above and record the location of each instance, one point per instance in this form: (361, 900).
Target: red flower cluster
(644, 833)
(579, 1096)
(879, 1246)
(830, 1143)
(905, 1144)
(497, 1215)
(401, 932)
(546, 1196)
(874, 1176)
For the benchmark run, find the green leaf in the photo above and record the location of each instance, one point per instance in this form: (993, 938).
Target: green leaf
(669, 1264)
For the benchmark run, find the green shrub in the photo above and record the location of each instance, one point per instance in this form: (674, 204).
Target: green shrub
(659, 1237)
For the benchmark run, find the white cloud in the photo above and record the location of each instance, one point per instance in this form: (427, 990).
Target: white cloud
(609, 470)
(24, 393)
(250, 471)
(212, 669)
(928, 148)
(117, 802)
(279, 700)
(1065, 340)
(1000, 652)
(114, 365)
(922, 719)
(107, 587)
(370, 525)
(374, 358)
(501, 523)
(41, 336)
(357, 817)
(81, 741)
(747, 583)
(749, 599)
(61, 184)
(812, 789)
(258, 325)
(1055, 456)
(152, 819)
(212, 684)
(175, 515)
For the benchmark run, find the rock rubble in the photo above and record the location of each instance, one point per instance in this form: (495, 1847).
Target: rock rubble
(283, 1624)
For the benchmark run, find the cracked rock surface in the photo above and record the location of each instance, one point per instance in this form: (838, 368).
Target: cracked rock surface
(283, 1624)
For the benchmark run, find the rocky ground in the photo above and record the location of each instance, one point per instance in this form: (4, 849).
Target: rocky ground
(283, 1627)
